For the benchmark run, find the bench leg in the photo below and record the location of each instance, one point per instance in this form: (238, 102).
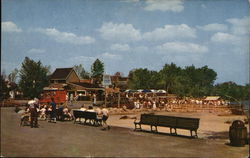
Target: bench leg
(135, 128)
(175, 131)
(196, 134)
(191, 133)
(152, 128)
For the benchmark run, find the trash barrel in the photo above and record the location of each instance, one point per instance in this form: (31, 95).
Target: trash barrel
(238, 133)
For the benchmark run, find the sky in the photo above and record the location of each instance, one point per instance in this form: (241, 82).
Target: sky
(129, 34)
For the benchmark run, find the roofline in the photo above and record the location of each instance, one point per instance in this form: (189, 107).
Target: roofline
(88, 88)
(71, 72)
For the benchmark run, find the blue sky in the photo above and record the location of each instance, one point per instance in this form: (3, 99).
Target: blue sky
(128, 34)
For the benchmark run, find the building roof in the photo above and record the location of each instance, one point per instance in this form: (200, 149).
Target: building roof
(86, 85)
(61, 73)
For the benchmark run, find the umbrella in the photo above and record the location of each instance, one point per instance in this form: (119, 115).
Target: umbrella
(128, 90)
(154, 91)
(139, 90)
(146, 91)
(161, 91)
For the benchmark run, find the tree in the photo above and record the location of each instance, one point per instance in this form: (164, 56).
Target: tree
(169, 75)
(97, 70)
(199, 81)
(4, 90)
(232, 91)
(81, 72)
(139, 78)
(33, 77)
(13, 75)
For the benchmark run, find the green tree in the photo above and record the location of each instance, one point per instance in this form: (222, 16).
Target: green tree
(33, 77)
(199, 81)
(13, 75)
(154, 80)
(169, 75)
(4, 90)
(97, 70)
(139, 79)
(232, 91)
(81, 72)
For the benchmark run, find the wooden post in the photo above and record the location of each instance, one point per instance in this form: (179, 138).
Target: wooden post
(105, 99)
(119, 99)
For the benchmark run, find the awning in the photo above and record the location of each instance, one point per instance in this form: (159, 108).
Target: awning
(52, 89)
(210, 98)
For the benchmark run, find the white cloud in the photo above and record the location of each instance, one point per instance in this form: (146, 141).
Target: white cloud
(66, 37)
(127, 32)
(240, 26)
(171, 32)
(225, 38)
(141, 49)
(203, 6)
(131, 0)
(120, 47)
(9, 26)
(213, 27)
(82, 59)
(119, 32)
(182, 47)
(111, 56)
(164, 5)
(36, 51)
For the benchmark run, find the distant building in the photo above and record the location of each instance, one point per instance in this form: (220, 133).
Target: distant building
(65, 83)
(64, 75)
(119, 82)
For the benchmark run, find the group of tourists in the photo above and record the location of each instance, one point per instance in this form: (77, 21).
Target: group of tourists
(53, 112)
(142, 100)
(102, 114)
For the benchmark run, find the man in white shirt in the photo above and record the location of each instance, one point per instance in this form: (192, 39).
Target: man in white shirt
(83, 108)
(105, 115)
(90, 109)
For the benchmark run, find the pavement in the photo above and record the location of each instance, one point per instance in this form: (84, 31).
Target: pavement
(66, 139)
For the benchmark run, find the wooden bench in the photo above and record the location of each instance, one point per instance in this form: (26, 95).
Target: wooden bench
(87, 116)
(147, 119)
(172, 122)
(167, 121)
(78, 114)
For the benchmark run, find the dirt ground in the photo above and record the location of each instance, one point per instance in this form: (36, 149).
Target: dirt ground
(211, 125)
(65, 139)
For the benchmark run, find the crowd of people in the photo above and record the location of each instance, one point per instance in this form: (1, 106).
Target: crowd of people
(53, 112)
(102, 114)
(143, 100)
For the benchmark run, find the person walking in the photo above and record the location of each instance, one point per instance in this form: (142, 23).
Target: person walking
(53, 110)
(94, 99)
(105, 116)
(33, 108)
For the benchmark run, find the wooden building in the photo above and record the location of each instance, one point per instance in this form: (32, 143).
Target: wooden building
(65, 84)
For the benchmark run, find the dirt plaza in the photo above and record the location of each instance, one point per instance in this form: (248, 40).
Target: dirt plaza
(66, 139)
